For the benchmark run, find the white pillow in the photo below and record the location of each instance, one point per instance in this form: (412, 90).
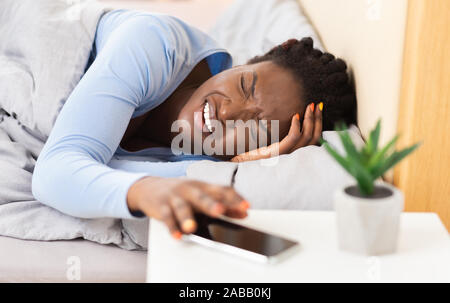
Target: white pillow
(252, 27)
(305, 179)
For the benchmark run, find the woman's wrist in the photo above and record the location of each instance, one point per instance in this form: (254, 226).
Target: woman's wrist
(134, 194)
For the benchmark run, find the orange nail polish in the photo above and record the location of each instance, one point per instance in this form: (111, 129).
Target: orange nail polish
(312, 107)
(188, 225)
(244, 204)
(321, 106)
(297, 116)
(177, 235)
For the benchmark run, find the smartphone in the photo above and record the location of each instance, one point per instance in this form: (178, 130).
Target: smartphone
(241, 240)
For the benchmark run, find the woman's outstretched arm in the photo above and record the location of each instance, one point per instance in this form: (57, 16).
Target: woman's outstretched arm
(71, 173)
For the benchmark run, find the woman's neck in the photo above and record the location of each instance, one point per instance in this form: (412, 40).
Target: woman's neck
(157, 125)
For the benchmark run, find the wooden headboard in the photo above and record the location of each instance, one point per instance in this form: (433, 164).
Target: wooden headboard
(369, 35)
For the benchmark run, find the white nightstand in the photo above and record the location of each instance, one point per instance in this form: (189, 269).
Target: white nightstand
(423, 254)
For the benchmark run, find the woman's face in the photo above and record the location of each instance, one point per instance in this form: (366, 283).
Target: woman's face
(261, 91)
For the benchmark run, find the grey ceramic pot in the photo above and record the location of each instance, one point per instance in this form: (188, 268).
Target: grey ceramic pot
(368, 225)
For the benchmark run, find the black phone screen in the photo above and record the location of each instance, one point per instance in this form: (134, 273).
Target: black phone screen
(240, 236)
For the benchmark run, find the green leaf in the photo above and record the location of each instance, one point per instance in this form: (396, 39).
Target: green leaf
(372, 143)
(393, 159)
(367, 163)
(340, 126)
(341, 160)
(322, 141)
(354, 168)
(363, 177)
(349, 147)
(377, 158)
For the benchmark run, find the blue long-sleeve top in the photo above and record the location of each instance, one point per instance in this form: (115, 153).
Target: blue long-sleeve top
(140, 59)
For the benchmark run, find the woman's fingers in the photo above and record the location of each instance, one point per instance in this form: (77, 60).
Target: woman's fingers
(293, 136)
(183, 213)
(212, 200)
(312, 126)
(235, 205)
(296, 138)
(256, 154)
(201, 200)
(275, 149)
(166, 216)
(173, 201)
(309, 134)
(162, 211)
(317, 124)
(308, 126)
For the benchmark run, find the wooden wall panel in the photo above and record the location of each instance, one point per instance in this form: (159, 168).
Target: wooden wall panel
(424, 113)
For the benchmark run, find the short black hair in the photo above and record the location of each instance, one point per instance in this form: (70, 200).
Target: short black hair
(323, 78)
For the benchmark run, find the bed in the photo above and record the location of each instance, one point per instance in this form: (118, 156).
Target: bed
(368, 34)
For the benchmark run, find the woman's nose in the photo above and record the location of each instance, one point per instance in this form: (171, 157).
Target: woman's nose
(234, 110)
(226, 111)
(230, 110)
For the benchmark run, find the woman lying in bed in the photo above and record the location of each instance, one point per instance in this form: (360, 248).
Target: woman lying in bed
(148, 73)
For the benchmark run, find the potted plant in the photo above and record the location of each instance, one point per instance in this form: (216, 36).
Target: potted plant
(368, 212)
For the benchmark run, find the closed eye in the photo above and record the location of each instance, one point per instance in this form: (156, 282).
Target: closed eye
(243, 89)
(243, 86)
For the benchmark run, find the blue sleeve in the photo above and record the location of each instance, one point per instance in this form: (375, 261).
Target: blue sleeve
(71, 174)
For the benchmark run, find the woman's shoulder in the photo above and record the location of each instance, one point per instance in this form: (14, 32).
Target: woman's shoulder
(152, 53)
(177, 36)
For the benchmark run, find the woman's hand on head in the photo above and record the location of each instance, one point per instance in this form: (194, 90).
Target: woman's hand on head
(174, 201)
(297, 137)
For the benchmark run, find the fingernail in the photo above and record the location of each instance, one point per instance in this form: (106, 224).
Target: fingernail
(177, 235)
(188, 225)
(312, 107)
(321, 106)
(297, 116)
(244, 204)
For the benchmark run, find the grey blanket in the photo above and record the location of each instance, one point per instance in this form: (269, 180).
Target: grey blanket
(45, 46)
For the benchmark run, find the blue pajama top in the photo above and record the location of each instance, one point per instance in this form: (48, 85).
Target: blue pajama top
(139, 60)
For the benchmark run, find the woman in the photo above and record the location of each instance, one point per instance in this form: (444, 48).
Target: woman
(149, 71)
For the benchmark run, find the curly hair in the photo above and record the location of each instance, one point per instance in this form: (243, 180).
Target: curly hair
(323, 78)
